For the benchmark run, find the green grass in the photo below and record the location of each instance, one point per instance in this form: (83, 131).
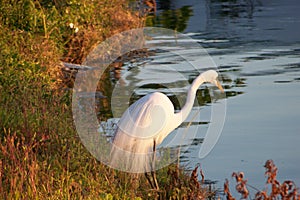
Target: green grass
(41, 155)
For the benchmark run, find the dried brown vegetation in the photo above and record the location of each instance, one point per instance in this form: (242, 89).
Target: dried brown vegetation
(102, 23)
(177, 184)
(41, 156)
(285, 191)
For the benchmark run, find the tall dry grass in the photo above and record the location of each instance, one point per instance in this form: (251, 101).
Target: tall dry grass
(287, 190)
(41, 156)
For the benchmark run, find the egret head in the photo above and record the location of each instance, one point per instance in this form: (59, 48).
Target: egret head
(211, 76)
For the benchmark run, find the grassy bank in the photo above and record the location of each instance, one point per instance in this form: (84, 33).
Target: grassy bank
(41, 155)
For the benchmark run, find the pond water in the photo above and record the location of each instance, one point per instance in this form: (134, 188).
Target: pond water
(256, 46)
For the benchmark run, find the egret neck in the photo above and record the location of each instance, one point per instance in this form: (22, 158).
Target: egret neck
(184, 112)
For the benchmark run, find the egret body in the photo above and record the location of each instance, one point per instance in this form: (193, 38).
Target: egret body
(147, 122)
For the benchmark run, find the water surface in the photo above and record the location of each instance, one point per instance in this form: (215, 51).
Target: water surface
(256, 46)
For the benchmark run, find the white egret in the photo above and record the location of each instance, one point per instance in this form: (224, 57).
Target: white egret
(146, 123)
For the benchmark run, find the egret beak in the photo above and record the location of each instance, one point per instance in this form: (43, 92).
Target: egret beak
(218, 84)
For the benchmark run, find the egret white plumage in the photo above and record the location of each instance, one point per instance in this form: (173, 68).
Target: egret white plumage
(146, 123)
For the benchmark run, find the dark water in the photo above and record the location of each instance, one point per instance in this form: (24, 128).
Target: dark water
(256, 46)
